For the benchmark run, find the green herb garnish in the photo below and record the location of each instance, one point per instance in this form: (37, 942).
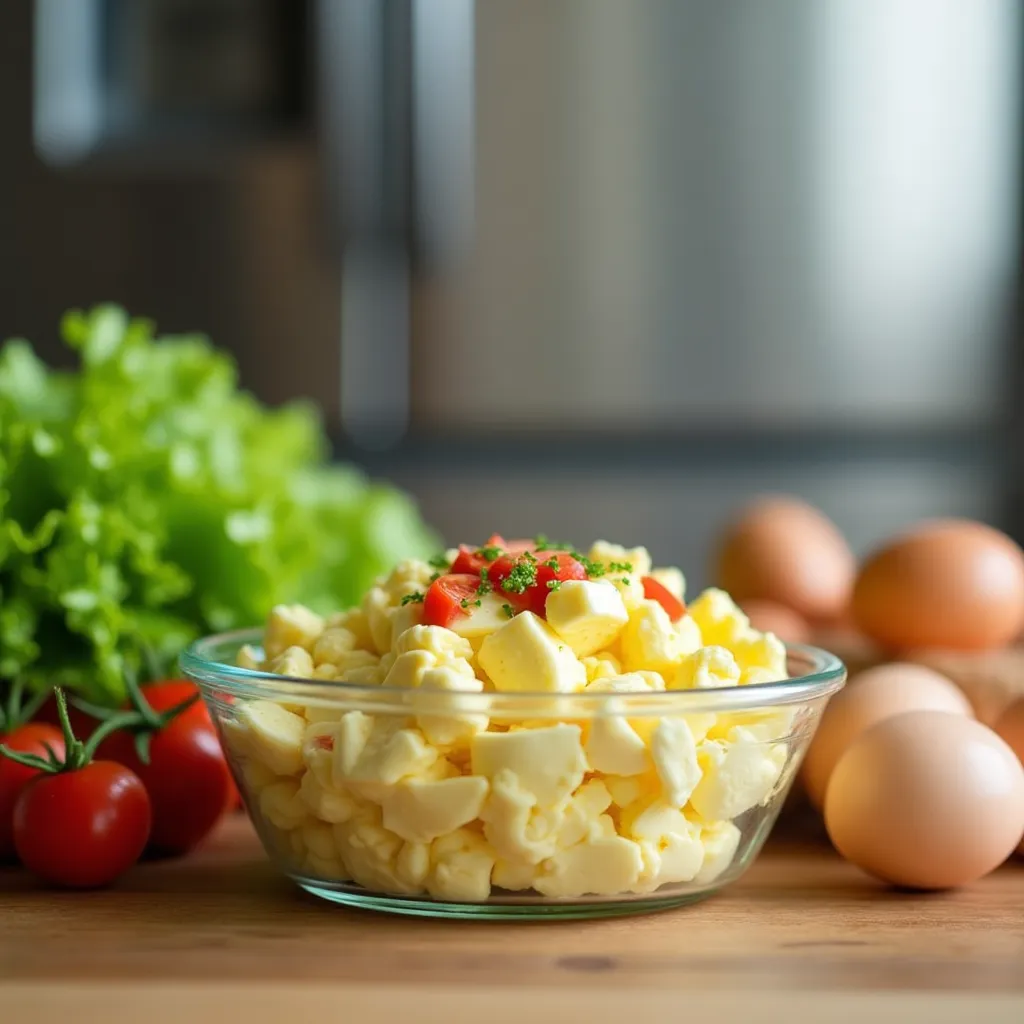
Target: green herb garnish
(486, 586)
(490, 552)
(508, 610)
(544, 543)
(620, 567)
(439, 562)
(554, 584)
(522, 576)
(415, 598)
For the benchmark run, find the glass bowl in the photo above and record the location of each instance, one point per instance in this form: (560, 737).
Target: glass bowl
(502, 805)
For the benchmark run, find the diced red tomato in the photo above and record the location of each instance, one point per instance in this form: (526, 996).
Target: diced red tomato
(655, 591)
(501, 567)
(568, 569)
(535, 596)
(518, 547)
(471, 560)
(442, 604)
(499, 570)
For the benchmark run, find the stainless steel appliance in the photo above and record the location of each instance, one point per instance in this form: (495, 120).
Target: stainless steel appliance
(590, 267)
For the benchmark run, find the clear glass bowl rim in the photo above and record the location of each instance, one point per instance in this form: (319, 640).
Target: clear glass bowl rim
(825, 676)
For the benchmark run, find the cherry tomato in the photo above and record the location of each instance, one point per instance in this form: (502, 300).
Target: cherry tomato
(188, 780)
(82, 828)
(655, 591)
(26, 739)
(442, 604)
(169, 693)
(535, 596)
(162, 696)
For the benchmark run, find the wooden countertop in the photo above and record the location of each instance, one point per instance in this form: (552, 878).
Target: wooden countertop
(219, 935)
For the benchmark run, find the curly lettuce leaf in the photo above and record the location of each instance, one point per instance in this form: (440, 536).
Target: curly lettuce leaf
(145, 499)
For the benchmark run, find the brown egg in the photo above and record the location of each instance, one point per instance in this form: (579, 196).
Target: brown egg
(873, 695)
(1010, 728)
(951, 584)
(927, 800)
(781, 549)
(769, 617)
(841, 623)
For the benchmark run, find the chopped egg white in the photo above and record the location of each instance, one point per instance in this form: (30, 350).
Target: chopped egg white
(526, 655)
(436, 794)
(602, 866)
(290, 626)
(650, 640)
(587, 615)
(423, 811)
(736, 774)
(273, 735)
(548, 763)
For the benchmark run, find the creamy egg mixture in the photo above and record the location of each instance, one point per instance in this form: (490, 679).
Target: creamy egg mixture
(445, 802)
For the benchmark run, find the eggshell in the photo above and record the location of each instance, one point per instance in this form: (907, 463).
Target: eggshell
(927, 800)
(781, 549)
(1010, 728)
(769, 617)
(868, 698)
(950, 584)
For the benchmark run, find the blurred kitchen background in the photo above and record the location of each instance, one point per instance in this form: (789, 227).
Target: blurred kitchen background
(586, 267)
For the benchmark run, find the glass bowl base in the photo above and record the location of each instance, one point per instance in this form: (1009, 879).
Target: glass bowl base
(521, 911)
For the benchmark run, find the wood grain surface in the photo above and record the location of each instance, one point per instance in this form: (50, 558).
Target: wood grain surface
(219, 934)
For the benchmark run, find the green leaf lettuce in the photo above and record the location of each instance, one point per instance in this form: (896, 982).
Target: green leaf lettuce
(145, 499)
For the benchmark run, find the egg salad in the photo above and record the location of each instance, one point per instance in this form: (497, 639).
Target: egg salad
(432, 796)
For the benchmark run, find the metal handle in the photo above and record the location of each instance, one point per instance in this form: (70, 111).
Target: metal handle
(396, 121)
(365, 113)
(443, 128)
